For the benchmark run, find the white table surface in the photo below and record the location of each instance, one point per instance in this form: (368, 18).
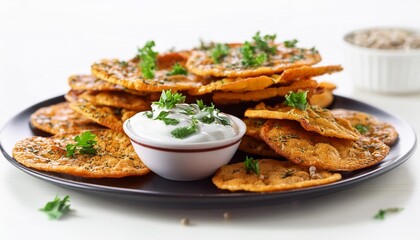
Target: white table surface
(43, 42)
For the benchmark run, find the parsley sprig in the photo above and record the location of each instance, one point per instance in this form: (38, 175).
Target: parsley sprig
(211, 114)
(84, 144)
(290, 43)
(168, 99)
(249, 56)
(219, 52)
(148, 59)
(168, 121)
(255, 53)
(361, 128)
(177, 69)
(251, 165)
(262, 43)
(183, 132)
(297, 100)
(382, 212)
(57, 208)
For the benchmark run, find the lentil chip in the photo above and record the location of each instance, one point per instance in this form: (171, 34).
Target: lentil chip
(59, 118)
(253, 146)
(274, 176)
(314, 118)
(368, 125)
(290, 140)
(201, 63)
(115, 157)
(129, 75)
(112, 118)
(117, 100)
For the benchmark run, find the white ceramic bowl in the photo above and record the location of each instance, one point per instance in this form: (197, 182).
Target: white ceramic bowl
(394, 71)
(185, 161)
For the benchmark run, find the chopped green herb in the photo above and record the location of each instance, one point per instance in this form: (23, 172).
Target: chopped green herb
(177, 69)
(361, 128)
(57, 208)
(168, 99)
(295, 58)
(188, 110)
(123, 63)
(251, 165)
(297, 100)
(183, 132)
(249, 57)
(147, 59)
(219, 52)
(263, 43)
(168, 121)
(200, 104)
(212, 114)
(149, 114)
(382, 212)
(290, 43)
(314, 50)
(84, 143)
(206, 46)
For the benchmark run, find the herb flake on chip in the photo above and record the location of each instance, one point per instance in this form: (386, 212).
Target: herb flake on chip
(297, 100)
(148, 59)
(177, 69)
(84, 144)
(219, 52)
(251, 165)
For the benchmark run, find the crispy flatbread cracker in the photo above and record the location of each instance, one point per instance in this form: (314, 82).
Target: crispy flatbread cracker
(115, 157)
(259, 95)
(370, 126)
(201, 63)
(117, 99)
(129, 75)
(274, 176)
(262, 82)
(60, 118)
(314, 118)
(253, 127)
(307, 72)
(106, 116)
(89, 82)
(257, 147)
(235, 84)
(290, 140)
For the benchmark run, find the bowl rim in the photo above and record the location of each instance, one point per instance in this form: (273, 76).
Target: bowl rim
(187, 147)
(409, 51)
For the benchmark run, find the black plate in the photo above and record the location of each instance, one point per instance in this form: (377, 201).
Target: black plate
(153, 189)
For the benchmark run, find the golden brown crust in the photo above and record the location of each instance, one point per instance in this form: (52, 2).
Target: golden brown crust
(314, 118)
(257, 147)
(274, 176)
(89, 82)
(253, 127)
(117, 100)
(260, 95)
(115, 157)
(374, 128)
(106, 116)
(201, 64)
(129, 76)
(59, 118)
(305, 148)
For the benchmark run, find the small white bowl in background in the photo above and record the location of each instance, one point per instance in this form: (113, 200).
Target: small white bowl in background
(185, 161)
(394, 71)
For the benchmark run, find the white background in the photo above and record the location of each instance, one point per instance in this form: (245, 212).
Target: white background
(43, 42)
